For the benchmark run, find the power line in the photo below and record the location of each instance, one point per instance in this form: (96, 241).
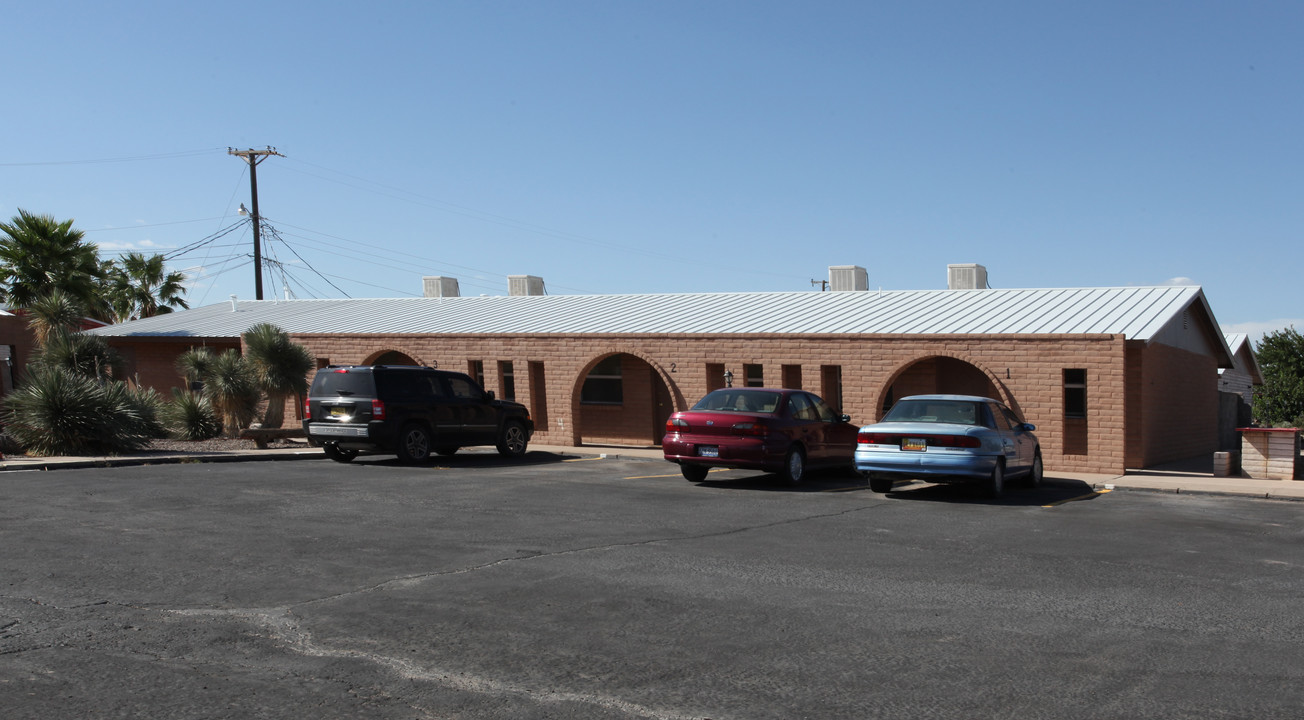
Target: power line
(277, 235)
(133, 158)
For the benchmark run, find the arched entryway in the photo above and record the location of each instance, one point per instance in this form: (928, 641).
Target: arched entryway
(393, 357)
(621, 399)
(940, 374)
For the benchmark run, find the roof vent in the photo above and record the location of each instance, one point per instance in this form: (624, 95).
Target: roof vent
(437, 286)
(524, 285)
(848, 277)
(966, 276)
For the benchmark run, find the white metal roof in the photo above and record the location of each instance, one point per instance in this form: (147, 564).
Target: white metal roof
(1136, 312)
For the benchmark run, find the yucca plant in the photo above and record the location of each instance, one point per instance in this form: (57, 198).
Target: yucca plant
(230, 385)
(57, 411)
(190, 416)
(88, 355)
(280, 367)
(195, 364)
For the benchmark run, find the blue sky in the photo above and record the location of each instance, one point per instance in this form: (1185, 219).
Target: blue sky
(630, 147)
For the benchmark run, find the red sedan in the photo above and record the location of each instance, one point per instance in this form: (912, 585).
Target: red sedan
(772, 430)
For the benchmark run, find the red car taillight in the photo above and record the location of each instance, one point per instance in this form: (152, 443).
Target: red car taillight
(307, 408)
(954, 441)
(946, 441)
(756, 428)
(676, 425)
(377, 409)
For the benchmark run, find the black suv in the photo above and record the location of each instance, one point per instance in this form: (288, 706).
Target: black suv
(410, 411)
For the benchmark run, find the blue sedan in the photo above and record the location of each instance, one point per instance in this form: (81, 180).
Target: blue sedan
(949, 438)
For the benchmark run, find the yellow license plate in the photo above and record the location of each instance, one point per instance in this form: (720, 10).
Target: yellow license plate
(915, 444)
(339, 412)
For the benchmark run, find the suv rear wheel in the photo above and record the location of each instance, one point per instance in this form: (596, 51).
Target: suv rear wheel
(513, 441)
(414, 444)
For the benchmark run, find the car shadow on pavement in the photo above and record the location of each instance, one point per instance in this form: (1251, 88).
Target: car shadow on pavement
(815, 481)
(488, 459)
(1051, 492)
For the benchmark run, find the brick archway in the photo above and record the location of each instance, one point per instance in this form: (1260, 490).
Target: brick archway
(650, 395)
(941, 373)
(388, 354)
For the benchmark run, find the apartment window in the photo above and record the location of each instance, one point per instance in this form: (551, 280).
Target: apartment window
(538, 394)
(791, 376)
(507, 380)
(603, 386)
(831, 385)
(475, 368)
(755, 375)
(1075, 393)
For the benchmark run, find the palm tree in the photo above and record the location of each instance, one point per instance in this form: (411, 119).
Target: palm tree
(280, 366)
(39, 254)
(139, 287)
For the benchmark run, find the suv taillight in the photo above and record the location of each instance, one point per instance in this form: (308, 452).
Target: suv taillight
(307, 408)
(377, 409)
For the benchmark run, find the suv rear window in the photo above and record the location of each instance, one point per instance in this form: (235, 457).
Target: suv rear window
(334, 382)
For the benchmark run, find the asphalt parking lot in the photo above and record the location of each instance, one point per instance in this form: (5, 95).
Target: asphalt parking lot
(597, 588)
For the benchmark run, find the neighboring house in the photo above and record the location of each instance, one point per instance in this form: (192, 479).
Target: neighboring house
(1236, 391)
(15, 349)
(17, 345)
(1113, 378)
(1244, 375)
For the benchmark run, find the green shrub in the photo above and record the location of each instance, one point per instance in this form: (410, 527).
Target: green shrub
(190, 416)
(60, 412)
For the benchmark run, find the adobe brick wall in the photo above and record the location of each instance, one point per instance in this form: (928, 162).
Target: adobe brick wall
(152, 362)
(1024, 371)
(1173, 404)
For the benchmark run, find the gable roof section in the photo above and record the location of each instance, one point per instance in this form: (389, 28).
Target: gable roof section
(1135, 312)
(1243, 354)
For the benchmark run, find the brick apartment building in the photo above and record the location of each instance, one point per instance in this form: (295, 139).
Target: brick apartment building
(1113, 378)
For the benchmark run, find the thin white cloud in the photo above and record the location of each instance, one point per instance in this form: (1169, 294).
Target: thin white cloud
(129, 246)
(1179, 281)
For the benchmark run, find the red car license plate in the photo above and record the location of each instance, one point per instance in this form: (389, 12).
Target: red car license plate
(708, 451)
(914, 444)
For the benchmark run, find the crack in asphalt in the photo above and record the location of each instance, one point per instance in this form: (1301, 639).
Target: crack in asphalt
(282, 626)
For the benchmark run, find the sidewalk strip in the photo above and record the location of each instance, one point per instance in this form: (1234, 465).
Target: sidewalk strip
(583, 459)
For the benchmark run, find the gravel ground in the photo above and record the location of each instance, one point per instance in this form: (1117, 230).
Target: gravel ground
(215, 445)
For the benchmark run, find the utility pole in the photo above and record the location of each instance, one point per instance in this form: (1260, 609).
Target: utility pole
(253, 157)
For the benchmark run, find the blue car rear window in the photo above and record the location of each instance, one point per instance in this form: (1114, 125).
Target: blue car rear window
(956, 412)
